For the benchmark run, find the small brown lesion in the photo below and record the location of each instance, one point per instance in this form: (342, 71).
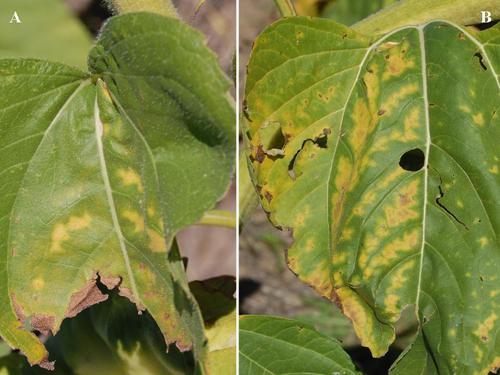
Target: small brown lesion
(268, 196)
(18, 309)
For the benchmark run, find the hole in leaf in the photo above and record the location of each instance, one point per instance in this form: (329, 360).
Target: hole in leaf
(480, 58)
(412, 160)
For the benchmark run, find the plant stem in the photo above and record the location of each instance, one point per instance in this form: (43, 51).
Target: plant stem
(248, 197)
(286, 8)
(164, 7)
(414, 12)
(219, 218)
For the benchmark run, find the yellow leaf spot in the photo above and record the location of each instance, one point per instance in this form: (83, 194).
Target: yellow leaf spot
(157, 242)
(479, 352)
(453, 332)
(130, 177)
(493, 169)
(61, 230)
(483, 241)
(460, 203)
(485, 327)
(38, 283)
(151, 211)
(465, 108)
(478, 119)
(493, 293)
(134, 218)
(468, 274)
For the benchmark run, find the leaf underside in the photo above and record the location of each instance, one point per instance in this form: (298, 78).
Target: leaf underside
(100, 170)
(381, 155)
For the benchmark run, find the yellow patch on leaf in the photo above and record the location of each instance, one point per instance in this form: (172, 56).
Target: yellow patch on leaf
(157, 242)
(130, 177)
(134, 218)
(62, 231)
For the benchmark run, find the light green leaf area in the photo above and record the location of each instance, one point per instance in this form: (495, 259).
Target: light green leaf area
(274, 345)
(47, 30)
(370, 235)
(100, 170)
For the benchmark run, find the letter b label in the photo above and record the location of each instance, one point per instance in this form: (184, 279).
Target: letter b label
(486, 16)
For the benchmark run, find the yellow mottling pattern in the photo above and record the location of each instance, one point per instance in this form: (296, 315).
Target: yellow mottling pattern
(403, 209)
(136, 219)
(130, 177)
(397, 61)
(397, 283)
(394, 100)
(157, 242)
(391, 252)
(363, 321)
(62, 231)
(479, 352)
(486, 326)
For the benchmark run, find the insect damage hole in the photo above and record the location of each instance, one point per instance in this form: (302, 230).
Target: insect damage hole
(412, 160)
(481, 61)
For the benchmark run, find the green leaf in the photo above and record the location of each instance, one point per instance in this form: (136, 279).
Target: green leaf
(349, 12)
(110, 338)
(218, 307)
(273, 345)
(47, 30)
(100, 171)
(370, 235)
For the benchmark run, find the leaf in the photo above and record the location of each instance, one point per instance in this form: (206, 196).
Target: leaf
(370, 235)
(106, 168)
(218, 307)
(350, 12)
(47, 30)
(276, 345)
(113, 339)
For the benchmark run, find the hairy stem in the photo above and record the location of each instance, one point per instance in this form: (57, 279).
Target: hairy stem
(414, 12)
(164, 7)
(286, 8)
(219, 218)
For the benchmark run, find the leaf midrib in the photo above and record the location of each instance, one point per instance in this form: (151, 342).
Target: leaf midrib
(111, 202)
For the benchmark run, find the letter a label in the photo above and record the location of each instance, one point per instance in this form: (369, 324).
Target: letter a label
(15, 18)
